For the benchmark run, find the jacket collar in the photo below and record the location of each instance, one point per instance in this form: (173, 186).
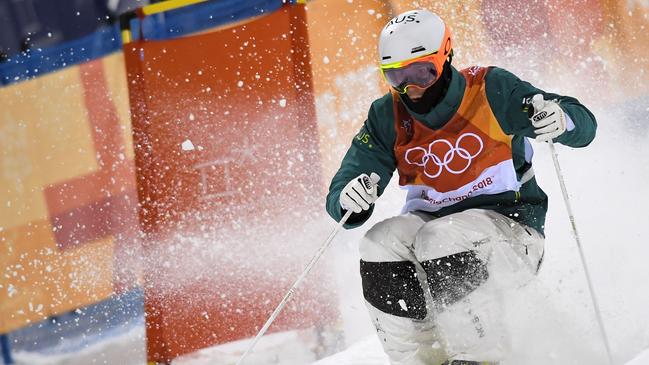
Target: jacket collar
(447, 107)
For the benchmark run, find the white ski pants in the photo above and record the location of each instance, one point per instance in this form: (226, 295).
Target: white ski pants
(426, 283)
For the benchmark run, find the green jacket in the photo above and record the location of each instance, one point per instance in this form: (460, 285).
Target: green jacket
(372, 150)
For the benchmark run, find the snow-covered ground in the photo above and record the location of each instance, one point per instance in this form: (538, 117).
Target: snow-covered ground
(642, 359)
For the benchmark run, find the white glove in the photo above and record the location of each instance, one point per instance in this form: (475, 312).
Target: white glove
(549, 120)
(360, 193)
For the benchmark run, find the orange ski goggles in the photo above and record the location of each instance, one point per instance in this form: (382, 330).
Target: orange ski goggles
(420, 72)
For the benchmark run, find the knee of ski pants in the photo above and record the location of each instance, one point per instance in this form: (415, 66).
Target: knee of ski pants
(453, 251)
(470, 230)
(388, 273)
(480, 231)
(391, 239)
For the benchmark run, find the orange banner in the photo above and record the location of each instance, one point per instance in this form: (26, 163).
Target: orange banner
(227, 161)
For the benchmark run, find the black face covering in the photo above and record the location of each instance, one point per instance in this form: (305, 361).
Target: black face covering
(433, 95)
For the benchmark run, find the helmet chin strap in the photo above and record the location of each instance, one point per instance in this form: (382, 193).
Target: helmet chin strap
(433, 95)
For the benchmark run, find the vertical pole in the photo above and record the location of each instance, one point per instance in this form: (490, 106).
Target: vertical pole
(575, 234)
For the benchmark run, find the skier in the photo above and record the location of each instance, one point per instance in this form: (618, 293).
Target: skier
(459, 140)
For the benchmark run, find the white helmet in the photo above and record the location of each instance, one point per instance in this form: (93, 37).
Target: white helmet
(413, 34)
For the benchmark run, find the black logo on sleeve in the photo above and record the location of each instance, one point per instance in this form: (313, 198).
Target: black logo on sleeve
(540, 115)
(367, 184)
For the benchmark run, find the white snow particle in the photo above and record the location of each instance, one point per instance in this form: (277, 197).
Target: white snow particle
(282, 103)
(11, 290)
(325, 59)
(403, 305)
(240, 83)
(370, 11)
(188, 145)
(191, 116)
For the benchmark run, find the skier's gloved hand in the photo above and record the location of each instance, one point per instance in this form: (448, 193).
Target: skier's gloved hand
(548, 119)
(360, 193)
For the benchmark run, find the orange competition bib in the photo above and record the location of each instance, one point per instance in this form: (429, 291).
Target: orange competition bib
(469, 156)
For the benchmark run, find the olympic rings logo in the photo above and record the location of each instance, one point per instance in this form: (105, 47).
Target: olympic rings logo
(419, 156)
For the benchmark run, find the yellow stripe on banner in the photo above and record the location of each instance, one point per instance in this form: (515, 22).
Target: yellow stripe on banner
(168, 5)
(302, 2)
(126, 36)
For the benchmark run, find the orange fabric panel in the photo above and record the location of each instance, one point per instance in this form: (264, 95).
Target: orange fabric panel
(226, 146)
(219, 105)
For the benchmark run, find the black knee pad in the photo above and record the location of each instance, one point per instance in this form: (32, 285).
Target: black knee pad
(453, 277)
(392, 287)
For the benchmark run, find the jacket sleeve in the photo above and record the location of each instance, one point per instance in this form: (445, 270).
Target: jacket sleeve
(509, 98)
(371, 150)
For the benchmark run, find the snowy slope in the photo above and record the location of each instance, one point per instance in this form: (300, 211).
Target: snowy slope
(642, 359)
(286, 348)
(365, 352)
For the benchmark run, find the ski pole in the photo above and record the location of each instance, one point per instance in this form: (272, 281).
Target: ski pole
(297, 283)
(575, 234)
